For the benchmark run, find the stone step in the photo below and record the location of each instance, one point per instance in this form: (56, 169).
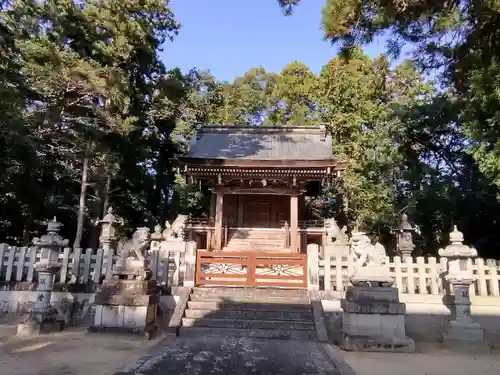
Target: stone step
(248, 324)
(232, 305)
(256, 232)
(261, 249)
(253, 333)
(261, 241)
(236, 239)
(241, 298)
(251, 292)
(256, 243)
(291, 316)
(276, 250)
(262, 244)
(266, 236)
(264, 250)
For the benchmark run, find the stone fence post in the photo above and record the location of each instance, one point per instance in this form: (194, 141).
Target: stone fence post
(312, 267)
(154, 249)
(190, 264)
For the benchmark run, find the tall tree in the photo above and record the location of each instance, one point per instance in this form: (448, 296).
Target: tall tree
(459, 39)
(293, 96)
(246, 99)
(362, 100)
(85, 72)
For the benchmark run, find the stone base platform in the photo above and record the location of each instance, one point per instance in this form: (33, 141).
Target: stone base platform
(33, 328)
(466, 336)
(126, 306)
(466, 346)
(374, 320)
(149, 331)
(377, 344)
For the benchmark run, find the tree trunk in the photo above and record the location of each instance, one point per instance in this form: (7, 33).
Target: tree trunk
(103, 207)
(83, 194)
(105, 198)
(26, 231)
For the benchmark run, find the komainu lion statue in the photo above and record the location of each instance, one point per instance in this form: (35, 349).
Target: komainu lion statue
(370, 267)
(333, 232)
(367, 254)
(135, 246)
(132, 261)
(176, 230)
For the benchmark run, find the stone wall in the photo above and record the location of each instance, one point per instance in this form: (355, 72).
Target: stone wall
(427, 316)
(77, 308)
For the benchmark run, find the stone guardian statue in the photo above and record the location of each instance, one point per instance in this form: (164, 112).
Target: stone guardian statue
(371, 268)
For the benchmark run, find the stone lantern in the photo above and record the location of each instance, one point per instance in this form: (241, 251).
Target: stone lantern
(108, 229)
(108, 234)
(460, 276)
(43, 314)
(405, 238)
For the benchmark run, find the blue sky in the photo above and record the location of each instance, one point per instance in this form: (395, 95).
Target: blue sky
(229, 37)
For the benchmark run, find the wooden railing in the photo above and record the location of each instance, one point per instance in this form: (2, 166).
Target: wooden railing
(305, 224)
(251, 269)
(200, 223)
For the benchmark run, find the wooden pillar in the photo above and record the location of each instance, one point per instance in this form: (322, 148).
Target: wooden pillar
(219, 205)
(209, 240)
(241, 210)
(212, 206)
(294, 222)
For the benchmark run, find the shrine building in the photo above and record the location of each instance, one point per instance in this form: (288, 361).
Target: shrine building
(258, 178)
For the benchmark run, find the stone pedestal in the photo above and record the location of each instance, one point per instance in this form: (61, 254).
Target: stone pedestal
(373, 275)
(463, 332)
(374, 320)
(126, 306)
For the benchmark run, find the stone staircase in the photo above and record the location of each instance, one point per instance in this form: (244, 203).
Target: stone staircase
(254, 239)
(249, 312)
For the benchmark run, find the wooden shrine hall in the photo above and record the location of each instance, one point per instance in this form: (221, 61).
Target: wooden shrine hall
(258, 177)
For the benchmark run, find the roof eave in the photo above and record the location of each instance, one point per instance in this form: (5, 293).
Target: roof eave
(259, 163)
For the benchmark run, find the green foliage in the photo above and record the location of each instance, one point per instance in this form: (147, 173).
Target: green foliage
(458, 42)
(90, 116)
(191, 199)
(293, 96)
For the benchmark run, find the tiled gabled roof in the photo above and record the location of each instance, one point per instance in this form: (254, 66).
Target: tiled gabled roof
(261, 143)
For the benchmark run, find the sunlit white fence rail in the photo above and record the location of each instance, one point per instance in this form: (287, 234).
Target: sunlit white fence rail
(82, 266)
(414, 275)
(423, 276)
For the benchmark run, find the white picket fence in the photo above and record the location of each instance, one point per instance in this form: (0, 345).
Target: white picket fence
(84, 266)
(412, 276)
(415, 275)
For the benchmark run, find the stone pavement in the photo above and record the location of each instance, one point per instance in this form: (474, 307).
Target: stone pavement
(79, 353)
(230, 355)
(73, 352)
(433, 360)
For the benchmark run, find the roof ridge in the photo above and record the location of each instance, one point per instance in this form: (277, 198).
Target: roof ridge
(214, 128)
